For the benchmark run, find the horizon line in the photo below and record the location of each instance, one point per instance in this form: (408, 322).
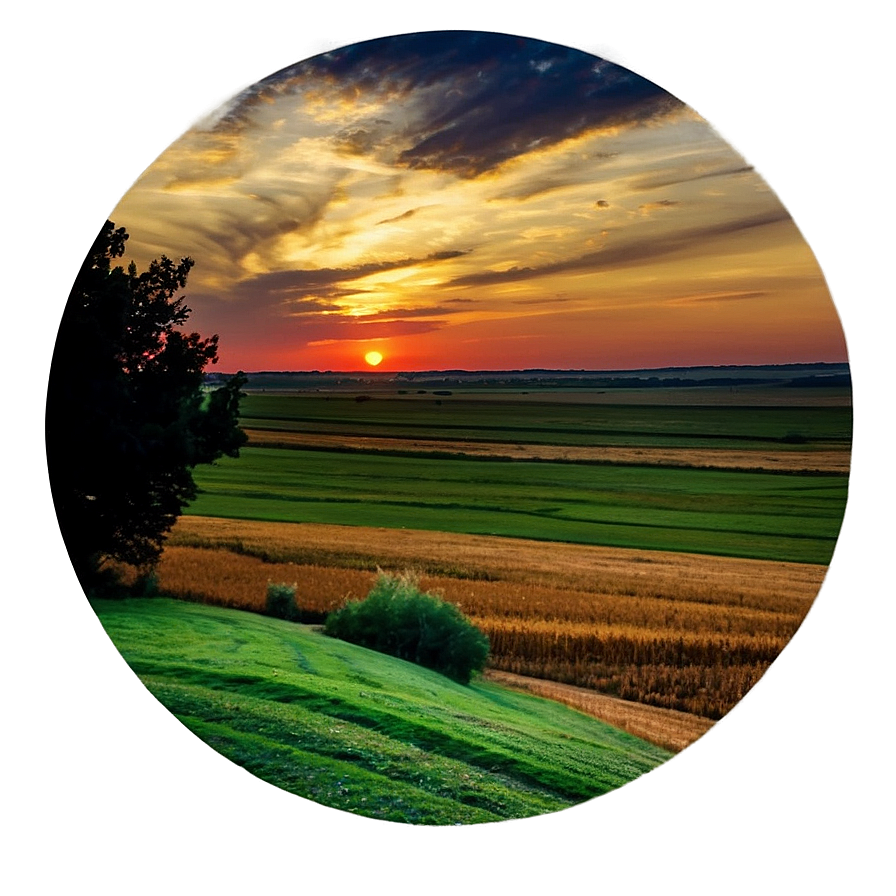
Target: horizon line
(508, 370)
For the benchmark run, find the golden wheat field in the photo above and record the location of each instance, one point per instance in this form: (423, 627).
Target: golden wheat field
(684, 632)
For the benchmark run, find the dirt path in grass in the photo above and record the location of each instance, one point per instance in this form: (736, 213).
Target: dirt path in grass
(825, 461)
(666, 728)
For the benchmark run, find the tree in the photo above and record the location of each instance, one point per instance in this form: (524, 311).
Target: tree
(128, 417)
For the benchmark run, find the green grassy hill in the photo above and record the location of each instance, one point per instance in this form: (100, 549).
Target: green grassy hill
(360, 731)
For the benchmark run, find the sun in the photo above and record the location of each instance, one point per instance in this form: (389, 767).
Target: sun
(373, 358)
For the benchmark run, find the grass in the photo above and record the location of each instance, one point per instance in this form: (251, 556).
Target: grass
(780, 516)
(812, 460)
(363, 732)
(501, 418)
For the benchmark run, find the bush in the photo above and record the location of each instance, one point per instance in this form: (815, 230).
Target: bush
(281, 601)
(399, 619)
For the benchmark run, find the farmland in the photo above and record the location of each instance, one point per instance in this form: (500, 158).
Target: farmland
(655, 551)
(432, 472)
(644, 550)
(550, 418)
(677, 631)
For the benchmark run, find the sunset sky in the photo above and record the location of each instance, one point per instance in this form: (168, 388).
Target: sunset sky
(476, 201)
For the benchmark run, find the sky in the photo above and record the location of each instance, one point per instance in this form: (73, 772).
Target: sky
(463, 200)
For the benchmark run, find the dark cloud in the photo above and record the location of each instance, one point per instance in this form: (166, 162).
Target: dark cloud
(447, 254)
(354, 141)
(626, 254)
(713, 297)
(545, 300)
(659, 205)
(480, 98)
(325, 301)
(408, 214)
(527, 95)
(325, 282)
(530, 187)
(671, 178)
(404, 314)
(602, 203)
(363, 136)
(229, 231)
(567, 174)
(301, 322)
(360, 329)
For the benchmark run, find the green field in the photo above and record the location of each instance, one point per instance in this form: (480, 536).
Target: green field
(764, 515)
(363, 732)
(502, 418)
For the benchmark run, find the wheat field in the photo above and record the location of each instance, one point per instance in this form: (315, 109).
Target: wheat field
(684, 632)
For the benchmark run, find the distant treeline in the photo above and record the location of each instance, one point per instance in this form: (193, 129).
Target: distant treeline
(784, 375)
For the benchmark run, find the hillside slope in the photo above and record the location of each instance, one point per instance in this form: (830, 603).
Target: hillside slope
(363, 732)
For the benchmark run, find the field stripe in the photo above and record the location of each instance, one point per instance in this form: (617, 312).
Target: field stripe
(818, 461)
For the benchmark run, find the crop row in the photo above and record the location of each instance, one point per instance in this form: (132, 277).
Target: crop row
(663, 651)
(775, 516)
(779, 588)
(548, 421)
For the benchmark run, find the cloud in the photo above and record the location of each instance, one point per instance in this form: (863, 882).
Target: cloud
(649, 207)
(325, 282)
(528, 95)
(408, 214)
(352, 329)
(304, 323)
(355, 141)
(420, 313)
(473, 100)
(626, 254)
(540, 184)
(545, 300)
(670, 179)
(715, 297)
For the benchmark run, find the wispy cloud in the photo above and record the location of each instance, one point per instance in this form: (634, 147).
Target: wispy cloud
(671, 178)
(317, 282)
(349, 329)
(625, 254)
(648, 208)
(717, 297)
(402, 217)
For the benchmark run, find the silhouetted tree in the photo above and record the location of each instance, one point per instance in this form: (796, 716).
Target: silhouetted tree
(127, 415)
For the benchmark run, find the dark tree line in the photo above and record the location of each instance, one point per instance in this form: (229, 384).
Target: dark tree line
(127, 416)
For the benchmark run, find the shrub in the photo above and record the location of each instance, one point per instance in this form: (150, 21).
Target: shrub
(399, 619)
(280, 601)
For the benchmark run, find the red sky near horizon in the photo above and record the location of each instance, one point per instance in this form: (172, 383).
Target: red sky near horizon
(476, 201)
